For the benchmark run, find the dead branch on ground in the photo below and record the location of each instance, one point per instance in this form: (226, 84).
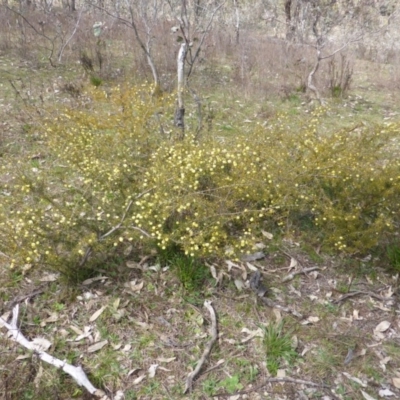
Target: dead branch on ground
(76, 373)
(207, 350)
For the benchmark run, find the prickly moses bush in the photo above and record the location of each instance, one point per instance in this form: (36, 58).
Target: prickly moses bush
(115, 177)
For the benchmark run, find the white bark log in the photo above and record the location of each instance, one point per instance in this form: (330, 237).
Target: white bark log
(76, 373)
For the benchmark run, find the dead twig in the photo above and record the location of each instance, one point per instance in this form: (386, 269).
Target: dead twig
(273, 380)
(270, 303)
(207, 350)
(359, 293)
(28, 296)
(76, 373)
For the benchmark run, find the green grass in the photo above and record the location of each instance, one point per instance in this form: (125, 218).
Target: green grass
(278, 347)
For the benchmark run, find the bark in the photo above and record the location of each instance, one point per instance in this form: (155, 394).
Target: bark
(180, 111)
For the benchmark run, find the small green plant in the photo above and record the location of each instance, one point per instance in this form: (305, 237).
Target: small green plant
(278, 346)
(232, 384)
(209, 386)
(393, 253)
(95, 80)
(190, 272)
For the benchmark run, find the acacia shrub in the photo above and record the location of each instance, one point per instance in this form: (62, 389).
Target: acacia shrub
(116, 178)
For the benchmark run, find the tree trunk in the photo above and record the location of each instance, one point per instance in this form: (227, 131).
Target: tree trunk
(180, 111)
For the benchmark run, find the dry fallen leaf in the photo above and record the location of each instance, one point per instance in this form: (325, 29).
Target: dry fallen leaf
(136, 287)
(293, 263)
(354, 379)
(134, 371)
(97, 346)
(396, 382)
(268, 235)
(386, 393)
(41, 344)
(49, 278)
(97, 314)
(251, 267)
(382, 327)
(251, 334)
(119, 395)
(367, 396)
(239, 284)
(152, 370)
(91, 280)
(138, 379)
(166, 360)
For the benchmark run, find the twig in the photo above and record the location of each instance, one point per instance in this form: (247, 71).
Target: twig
(21, 298)
(353, 294)
(270, 303)
(273, 380)
(207, 350)
(89, 250)
(72, 35)
(76, 373)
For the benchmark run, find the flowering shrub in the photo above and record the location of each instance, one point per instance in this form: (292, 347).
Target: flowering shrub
(116, 177)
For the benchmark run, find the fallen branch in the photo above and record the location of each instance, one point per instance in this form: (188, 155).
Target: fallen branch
(358, 293)
(76, 373)
(20, 299)
(207, 350)
(268, 302)
(273, 380)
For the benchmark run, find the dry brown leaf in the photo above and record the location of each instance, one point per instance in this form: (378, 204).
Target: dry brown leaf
(251, 334)
(97, 346)
(367, 396)
(116, 303)
(386, 393)
(239, 284)
(136, 287)
(152, 370)
(23, 357)
(396, 382)
(382, 327)
(166, 360)
(293, 263)
(133, 265)
(268, 235)
(251, 267)
(76, 329)
(139, 379)
(127, 347)
(49, 278)
(354, 379)
(134, 371)
(41, 344)
(97, 314)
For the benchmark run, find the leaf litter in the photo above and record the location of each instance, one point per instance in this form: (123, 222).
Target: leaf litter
(170, 333)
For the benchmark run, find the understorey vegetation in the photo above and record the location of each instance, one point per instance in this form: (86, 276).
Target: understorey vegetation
(116, 175)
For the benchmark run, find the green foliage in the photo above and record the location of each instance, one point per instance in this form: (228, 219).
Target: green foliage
(231, 384)
(190, 272)
(116, 176)
(393, 253)
(95, 80)
(278, 346)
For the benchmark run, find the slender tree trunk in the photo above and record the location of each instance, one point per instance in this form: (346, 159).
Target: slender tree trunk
(180, 111)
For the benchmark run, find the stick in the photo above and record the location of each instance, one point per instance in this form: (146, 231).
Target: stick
(353, 294)
(76, 373)
(207, 350)
(273, 380)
